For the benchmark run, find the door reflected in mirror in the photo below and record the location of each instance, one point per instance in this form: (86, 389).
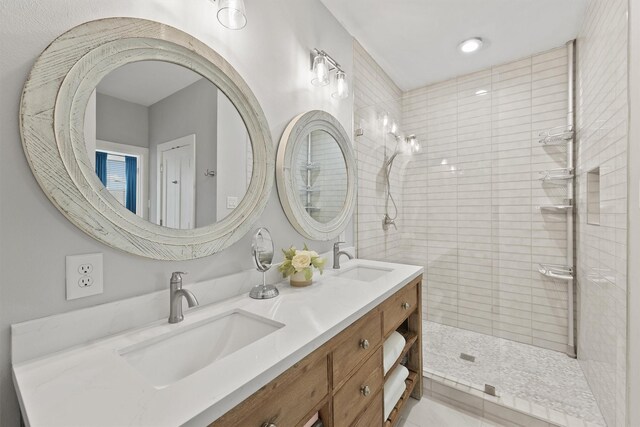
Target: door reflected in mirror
(321, 176)
(168, 144)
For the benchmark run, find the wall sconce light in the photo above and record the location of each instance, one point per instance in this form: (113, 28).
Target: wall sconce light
(342, 87)
(231, 13)
(413, 144)
(320, 69)
(322, 64)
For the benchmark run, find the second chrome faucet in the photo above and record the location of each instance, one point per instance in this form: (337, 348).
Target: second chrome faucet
(176, 293)
(337, 253)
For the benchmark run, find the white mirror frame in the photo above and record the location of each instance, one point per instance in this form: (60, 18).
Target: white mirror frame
(52, 112)
(295, 134)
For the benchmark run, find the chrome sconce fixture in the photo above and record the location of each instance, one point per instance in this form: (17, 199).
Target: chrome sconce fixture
(231, 13)
(322, 64)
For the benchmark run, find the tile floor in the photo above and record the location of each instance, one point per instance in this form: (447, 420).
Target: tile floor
(433, 413)
(545, 377)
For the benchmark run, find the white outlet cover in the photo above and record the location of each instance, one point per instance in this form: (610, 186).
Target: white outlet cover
(73, 263)
(232, 202)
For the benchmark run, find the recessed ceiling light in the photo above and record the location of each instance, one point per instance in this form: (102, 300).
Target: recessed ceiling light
(471, 45)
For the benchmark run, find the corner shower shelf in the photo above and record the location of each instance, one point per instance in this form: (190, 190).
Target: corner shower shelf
(557, 135)
(556, 208)
(556, 271)
(557, 175)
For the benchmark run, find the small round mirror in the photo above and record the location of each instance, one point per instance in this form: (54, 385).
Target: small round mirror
(316, 175)
(262, 250)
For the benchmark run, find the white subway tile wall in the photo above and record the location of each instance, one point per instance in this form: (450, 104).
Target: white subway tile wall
(375, 95)
(602, 121)
(470, 199)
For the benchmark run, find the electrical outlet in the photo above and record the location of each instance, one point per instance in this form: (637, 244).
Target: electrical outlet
(84, 275)
(85, 281)
(232, 202)
(85, 269)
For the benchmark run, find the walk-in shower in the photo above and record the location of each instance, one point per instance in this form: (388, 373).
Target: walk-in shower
(487, 207)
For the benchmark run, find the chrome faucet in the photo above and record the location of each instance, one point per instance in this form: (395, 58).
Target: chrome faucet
(337, 253)
(175, 297)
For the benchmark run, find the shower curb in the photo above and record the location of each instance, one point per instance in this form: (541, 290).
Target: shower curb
(504, 409)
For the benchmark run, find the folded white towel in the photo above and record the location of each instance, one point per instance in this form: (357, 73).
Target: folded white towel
(312, 420)
(391, 350)
(393, 388)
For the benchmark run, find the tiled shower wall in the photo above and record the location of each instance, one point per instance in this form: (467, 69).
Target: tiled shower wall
(602, 123)
(375, 94)
(322, 186)
(470, 199)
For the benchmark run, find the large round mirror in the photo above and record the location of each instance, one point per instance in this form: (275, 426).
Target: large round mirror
(316, 175)
(146, 139)
(168, 144)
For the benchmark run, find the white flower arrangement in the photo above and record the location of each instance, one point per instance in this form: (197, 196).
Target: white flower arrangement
(296, 261)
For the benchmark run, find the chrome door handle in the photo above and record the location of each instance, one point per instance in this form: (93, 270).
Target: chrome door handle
(364, 344)
(365, 390)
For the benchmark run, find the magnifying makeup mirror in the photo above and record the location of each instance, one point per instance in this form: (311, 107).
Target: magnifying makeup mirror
(262, 250)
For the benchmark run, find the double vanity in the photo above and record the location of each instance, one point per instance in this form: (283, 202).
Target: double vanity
(237, 362)
(229, 360)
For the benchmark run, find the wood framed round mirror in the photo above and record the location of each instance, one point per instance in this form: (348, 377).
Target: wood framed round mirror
(176, 200)
(316, 175)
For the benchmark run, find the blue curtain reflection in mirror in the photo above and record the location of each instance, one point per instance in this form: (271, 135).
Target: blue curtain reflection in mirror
(131, 177)
(101, 166)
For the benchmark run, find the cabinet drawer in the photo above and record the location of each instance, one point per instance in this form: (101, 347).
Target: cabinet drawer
(359, 391)
(372, 416)
(399, 306)
(285, 400)
(356, 344)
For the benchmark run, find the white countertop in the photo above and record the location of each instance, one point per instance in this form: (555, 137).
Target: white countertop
(92, 385)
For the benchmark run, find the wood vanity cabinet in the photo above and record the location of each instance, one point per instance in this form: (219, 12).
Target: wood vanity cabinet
(343, 380)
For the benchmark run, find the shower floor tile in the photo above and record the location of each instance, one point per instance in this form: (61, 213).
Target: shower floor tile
(545, 377)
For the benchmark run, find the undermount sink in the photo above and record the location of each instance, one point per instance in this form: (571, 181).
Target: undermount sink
(363, 273)
(174, 356)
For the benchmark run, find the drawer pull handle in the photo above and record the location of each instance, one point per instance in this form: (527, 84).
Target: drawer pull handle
(364, 344)
(269, 424)
(365, 390)
(406, 305)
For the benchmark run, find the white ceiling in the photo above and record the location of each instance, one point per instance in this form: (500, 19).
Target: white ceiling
(146, 82)
(415, 41)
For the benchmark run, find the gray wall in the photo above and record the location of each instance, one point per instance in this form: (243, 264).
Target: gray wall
(35, 237)
(192, 110)
(121, 121)
(233, 171)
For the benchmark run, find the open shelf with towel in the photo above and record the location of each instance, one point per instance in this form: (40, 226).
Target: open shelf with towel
(410, 339)
(395, 412)
(402, 355)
